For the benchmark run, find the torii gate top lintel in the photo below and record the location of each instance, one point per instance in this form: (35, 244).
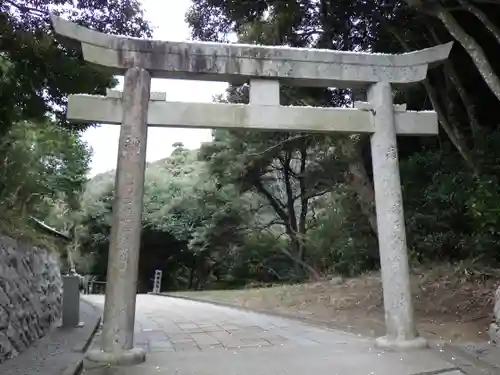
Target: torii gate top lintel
(236, 63)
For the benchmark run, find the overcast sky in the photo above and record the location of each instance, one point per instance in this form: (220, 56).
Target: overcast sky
(167, 17)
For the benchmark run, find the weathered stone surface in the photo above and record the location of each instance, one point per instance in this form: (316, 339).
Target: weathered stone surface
(30, 295)
(153, 96)
(71, 301)
(237, 62)
(119, 312)
(109, 110)
(188, 337)
(494, 329)
(142, 59)
(399, 315)
(496, 309)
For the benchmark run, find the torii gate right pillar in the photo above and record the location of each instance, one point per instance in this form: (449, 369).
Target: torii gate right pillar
(401, 332)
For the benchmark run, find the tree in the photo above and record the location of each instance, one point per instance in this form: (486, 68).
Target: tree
(297, 26)
(41, 72)
(189, 225)
(392, 26)
(44, 161)
(275, 206)
(42, 175)
(289, 171)
(439, 10)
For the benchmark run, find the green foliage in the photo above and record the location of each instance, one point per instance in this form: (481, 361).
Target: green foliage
(41, 163)
(44, 161)
(452, 214)
(41, 72)
(182, 207)
(450, 191)
(44, 166)
(341, 241)
(277, 206)
(288, 171)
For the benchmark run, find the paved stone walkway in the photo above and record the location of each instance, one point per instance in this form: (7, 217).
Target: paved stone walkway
(58, 351)
(185, 337)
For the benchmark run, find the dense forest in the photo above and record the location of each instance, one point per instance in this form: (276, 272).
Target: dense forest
(260, 207)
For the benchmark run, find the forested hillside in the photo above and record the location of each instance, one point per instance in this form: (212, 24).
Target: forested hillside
(253, 207)
(268, 206)
(43, 161)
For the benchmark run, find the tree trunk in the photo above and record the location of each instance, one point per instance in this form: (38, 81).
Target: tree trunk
(312, 273)
(191, 278)
(304, 200)
(290, 201)
(292, 234)
(481, 16)
(201, 272)
(449, 128)
(471, 46)
(448, 93)
(451, 72)
(470, 108)
(292, 228)
(443, 121)
(296, 249)
(71, 246)
(358, 179)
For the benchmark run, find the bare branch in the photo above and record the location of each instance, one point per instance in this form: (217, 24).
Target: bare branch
(282, 143)
(482, 17)
(312, 271)
(311, 195)
(26, 9)
(431, 93)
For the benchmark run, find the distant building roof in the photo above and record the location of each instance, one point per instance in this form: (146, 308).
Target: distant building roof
(50, 230)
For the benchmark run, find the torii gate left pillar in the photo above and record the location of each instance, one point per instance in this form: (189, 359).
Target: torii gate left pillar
(123, 260)
(265, 67)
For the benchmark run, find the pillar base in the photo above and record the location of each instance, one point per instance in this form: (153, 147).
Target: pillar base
(129, 357)
(494, 333)
(417, 343)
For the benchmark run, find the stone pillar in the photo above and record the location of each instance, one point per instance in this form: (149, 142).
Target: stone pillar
(121, 282)
(494, 330)
(71, 301)
(399, 315)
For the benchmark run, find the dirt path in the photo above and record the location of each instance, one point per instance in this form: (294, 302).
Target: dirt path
(451, 303)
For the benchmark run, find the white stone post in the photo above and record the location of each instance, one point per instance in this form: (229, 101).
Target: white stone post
(71, 301)
(399, 315)
(121, 282)
(157, 281)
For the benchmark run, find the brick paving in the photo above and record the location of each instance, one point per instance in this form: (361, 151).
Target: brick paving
(187, 337)
(179, 325)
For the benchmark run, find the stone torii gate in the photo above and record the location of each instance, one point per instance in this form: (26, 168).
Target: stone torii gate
(265, 68)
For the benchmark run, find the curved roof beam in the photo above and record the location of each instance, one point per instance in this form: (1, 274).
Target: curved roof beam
(236, 63)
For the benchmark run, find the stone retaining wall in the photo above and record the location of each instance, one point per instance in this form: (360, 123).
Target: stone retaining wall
(30, 295)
